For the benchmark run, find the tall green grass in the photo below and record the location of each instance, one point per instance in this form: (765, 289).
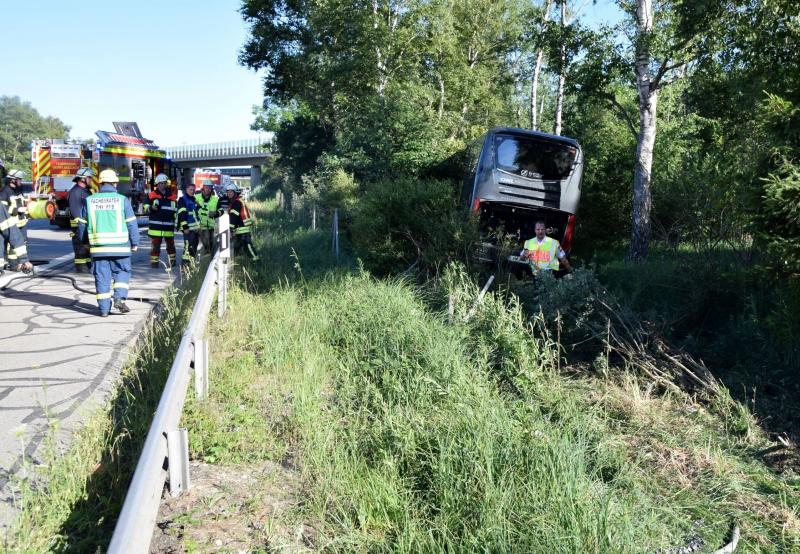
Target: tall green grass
(416, 432)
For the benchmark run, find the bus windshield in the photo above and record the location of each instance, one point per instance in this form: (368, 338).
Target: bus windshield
(534, 158)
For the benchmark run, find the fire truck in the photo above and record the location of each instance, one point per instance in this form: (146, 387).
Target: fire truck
(136, 160)
(213, 175)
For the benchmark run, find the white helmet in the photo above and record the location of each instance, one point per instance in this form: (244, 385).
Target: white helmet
(83, 173)
(161, 178)
(232, 187)
(16, 174)
(109, 176)
(208, 183)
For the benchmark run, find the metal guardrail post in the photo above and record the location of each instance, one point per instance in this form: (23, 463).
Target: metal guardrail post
(223, 263)
(200, 365)
(178, 460)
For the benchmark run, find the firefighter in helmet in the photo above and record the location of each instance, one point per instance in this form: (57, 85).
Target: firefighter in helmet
(208, 209)
(10, 236)
(189, 219)
(163, 213)
(108, 222)
(241, 223)
(11, 196)
(76, 198)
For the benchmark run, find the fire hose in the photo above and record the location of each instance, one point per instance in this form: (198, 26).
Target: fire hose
(27, 275)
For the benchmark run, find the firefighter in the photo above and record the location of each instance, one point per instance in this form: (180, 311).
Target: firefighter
(11, 236)
(163, 208)
(108, 222)
(208, 209)
(544, 253)
(76, 198)
(11, 195)
(241, 223)
(188, 219)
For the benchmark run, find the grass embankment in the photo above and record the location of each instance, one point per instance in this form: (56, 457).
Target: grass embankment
(408, 433)
(72, 503)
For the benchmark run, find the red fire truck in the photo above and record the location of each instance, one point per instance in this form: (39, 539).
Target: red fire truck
(54, 163)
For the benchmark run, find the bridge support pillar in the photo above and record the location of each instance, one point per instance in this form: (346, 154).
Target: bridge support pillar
(255, 176)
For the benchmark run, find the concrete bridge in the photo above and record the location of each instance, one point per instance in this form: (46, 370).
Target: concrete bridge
(235, 153)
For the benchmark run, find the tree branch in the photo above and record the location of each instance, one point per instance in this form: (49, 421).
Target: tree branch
(611, 97)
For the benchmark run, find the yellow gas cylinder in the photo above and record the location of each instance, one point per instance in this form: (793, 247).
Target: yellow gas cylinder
(41, 208)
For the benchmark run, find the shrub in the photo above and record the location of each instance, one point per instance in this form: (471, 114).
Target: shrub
(402, 221)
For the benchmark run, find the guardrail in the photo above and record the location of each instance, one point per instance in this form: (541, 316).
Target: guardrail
(165, 456)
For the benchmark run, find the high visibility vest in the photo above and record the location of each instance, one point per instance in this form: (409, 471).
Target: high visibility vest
(205, 207)
(545, 254)
(106, 225)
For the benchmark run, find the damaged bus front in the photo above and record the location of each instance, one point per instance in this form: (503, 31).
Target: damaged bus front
(518, 177)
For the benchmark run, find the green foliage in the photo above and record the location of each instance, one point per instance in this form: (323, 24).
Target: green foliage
(20, 123)
(401, 221)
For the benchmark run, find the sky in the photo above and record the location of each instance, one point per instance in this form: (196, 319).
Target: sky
(170, 65)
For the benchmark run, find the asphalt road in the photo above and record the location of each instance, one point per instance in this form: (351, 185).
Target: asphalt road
(47, 241)
(58, 359)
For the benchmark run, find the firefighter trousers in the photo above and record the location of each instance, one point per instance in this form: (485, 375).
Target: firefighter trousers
(190, 239)
(111, 274)
(207, 240)
(155, 250)
(243, 244)
(11, 256)
(81, 251)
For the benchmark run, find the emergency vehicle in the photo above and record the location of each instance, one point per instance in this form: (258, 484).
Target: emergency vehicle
(213, 175)
(55, 162)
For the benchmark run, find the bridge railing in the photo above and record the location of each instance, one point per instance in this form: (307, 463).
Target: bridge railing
(229, 149)
(165, 455)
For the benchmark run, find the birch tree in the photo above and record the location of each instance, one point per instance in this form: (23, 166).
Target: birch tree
(666, 42)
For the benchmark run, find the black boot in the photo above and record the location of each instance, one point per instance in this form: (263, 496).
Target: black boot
(120, 304)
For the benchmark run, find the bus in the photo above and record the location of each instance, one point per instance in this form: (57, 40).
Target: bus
(516, 177)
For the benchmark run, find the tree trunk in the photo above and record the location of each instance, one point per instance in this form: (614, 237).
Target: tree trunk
(562, 75)
(440, 110)
(648, 103)
(536, 70)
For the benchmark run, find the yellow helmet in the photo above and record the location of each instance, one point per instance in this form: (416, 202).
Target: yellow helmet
(109, 176)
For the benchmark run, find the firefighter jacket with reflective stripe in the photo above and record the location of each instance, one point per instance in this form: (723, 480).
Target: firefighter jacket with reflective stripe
(163, 214)
(15, 204)
(11, 235)
(544, 255)
(207, 209)
(188, 220)
(241, 222)
(76, 198)
(110, 225)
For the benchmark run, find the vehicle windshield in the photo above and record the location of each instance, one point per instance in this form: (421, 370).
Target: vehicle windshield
(534, 158)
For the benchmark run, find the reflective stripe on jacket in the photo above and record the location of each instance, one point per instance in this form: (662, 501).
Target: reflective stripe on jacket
(109, 223)
(76, 197)
(15, 204)
(544, 254)
(205, 208)
(241, 222)
(163, 213)
(12, 235)
(188, 220)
